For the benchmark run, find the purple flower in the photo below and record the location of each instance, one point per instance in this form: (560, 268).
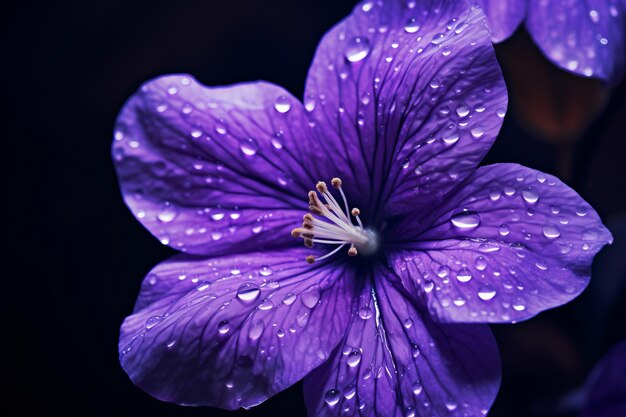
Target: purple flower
(402, 102)
(583, 37)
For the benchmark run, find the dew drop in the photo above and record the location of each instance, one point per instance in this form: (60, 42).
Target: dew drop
(504, 230)
(167, 213)
(358, 49)
(438, 38)
(256, 330)
(289, 299)
(530, 194)
(480, 263)
(488, 247)
(462, 110)
(411, 26)
(466, 220)
(354, 358)
(477, 131)
(221, 129)
(495, 194)
(417, 388)
(486, 293)
(408, 323)
(223, 327)
(443, 271)
(311, 296)
(153, 321)
(266, 305)
(331, 397)
(266, 271)
(282, 104)
(248, 292)
(451, 135)
(464, 275)
(551, 231)
(451, 405)
(249, 147)
(365, 313)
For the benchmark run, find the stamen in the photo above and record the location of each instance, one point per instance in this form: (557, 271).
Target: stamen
(335, 226)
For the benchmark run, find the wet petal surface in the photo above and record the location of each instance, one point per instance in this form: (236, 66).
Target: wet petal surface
(509, 243)
(584, 37)
(409, 97)
(395, 361)
(207, 170)
(230, 332)
(503, 16)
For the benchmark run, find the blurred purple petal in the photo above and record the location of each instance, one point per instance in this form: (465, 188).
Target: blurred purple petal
(409, 96)
(508, 244)
(503, 17)
(210, 169)
(230, 332)
(395, 361)
(606, 386)
(584, 37)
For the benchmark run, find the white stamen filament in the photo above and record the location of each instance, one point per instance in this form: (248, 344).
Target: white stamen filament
(334, 227)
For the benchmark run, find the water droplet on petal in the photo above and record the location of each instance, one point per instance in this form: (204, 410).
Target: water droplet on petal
(289, 299)
(462, 110)
(153, 321)
(464, 275)
(249, 147)
(282, 104)
(358, 49)
(248, 292)
(438, 38)
(480, 263)
(411, 26)
(466, 220)
(365, 313)
(477, 131)
(530, 194)
(331, 397)
(223, 327)
(167, 214)
(451, 405)
(311, 296)
(504, 230)
(417, 388)
(551, 231)
(256, 330)
(451, 135)
(486, 293)
(354, 358)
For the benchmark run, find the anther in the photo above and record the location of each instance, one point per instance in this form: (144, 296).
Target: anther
(336, 182)
(356, 212)
(352, 251)
(308, 242)
(310, 259)
(321, 187)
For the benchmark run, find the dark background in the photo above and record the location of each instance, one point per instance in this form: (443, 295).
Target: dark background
(76, 255)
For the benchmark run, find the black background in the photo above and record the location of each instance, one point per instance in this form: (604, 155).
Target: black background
(77, 255)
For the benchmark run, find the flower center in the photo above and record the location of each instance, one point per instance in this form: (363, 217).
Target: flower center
(334, 226)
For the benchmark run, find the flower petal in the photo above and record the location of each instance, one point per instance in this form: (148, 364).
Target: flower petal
(606, 386)
(409, 96)
(230, 332)
(503, 17)
(509, 243)
(396, 361)
(584, 37)
(209, 169)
